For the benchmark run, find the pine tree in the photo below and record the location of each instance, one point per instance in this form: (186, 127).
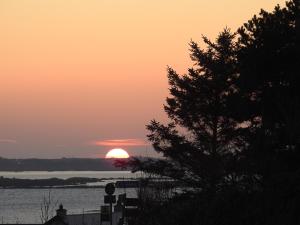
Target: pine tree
(202, 142)
(269, 83)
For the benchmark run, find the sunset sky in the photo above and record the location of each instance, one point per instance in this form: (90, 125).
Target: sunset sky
(80, 77)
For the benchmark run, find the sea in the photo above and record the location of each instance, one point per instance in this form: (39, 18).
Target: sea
(19, 206)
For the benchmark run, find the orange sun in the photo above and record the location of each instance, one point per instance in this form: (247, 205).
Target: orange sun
(117, 153)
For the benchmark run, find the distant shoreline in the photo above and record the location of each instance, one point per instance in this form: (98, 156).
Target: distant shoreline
(50, 182)
(55, 187)
(50, 171)
(73, 182)
(63, 164)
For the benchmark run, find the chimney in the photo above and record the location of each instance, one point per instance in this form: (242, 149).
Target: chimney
(61, 212)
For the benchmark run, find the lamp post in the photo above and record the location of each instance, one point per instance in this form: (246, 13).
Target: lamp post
(110, 198)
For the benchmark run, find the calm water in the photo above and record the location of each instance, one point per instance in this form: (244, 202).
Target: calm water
(23, 205)
(68, 174)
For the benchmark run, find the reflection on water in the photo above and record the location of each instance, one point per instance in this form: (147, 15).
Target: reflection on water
(23, 205)
(68, 174)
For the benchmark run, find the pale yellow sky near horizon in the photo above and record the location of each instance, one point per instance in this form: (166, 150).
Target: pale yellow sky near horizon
(76, 72)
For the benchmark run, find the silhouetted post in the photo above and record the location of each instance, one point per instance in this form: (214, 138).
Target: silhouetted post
(110, 213)
(110, 198)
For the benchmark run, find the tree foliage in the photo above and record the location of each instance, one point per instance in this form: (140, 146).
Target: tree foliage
(234, 135)
(204, 139)
(269, 83)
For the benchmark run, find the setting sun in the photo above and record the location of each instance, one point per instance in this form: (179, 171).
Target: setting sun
(117, 153)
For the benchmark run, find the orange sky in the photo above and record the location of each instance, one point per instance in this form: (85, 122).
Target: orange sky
(76, 72)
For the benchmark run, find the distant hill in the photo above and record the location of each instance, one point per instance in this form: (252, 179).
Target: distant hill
(39, 183)
(63, 164)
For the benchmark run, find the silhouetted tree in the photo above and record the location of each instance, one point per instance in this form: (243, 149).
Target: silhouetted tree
(47, 207)
(269, 83)
(234, 133)
(203, 141)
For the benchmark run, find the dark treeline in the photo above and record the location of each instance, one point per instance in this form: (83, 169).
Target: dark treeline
(37, 183)
(234, 136)
(63, 164)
